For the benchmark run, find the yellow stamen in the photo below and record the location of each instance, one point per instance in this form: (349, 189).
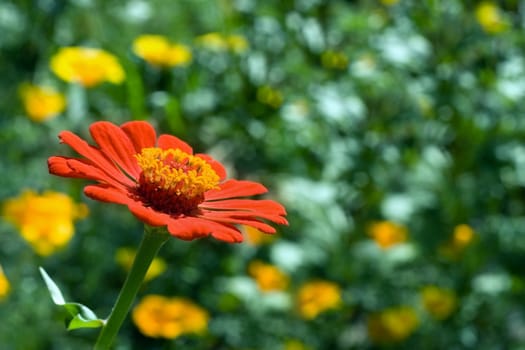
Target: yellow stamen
(173, 181)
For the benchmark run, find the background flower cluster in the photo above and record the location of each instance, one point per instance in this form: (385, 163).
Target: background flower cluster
(390, 130)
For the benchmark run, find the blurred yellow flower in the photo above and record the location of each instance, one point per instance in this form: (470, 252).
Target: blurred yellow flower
(269, 96)
(237, 43)
(392, 325)
(219, 42)
(389, 2)
(387, 233)
(255, 237)
(316, 297)
(268, 277)
(293, 344)
(213, 41)
(490, 18)
(86, 66)
(125, 257)
(463, 235)
(5, 287)
(334, 60)
(158, 316)
(41, 102)
(438, 302)
(159, 51)
(45, 221)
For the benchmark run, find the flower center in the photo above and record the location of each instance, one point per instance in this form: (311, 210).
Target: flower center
(173, 181)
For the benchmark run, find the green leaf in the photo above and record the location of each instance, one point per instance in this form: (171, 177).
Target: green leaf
(79, 316)
(55, 292)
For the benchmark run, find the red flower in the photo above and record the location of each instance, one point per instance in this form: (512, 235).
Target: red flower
(164, 184)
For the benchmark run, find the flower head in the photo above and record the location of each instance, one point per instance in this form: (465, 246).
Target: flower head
(5, 287)
(164, 184)
(387, 233)
(157, 316)
(41, 103)
(45, 221)
(439, 302)
(125, 257)
(316, 297)
(490, 18)
(86, 66)
(392, 325)
(158, 51)
(268, 277)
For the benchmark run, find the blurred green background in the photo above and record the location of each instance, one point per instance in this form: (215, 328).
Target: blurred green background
(392, 131)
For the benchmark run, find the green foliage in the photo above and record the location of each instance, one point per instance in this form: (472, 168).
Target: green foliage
(421, 125)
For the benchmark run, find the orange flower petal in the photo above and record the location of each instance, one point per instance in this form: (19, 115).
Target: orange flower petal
(141, 134)
(235, 188)
(116, 145)
(169, 141)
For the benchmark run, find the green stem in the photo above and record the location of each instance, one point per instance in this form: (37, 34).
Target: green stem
(152, 240)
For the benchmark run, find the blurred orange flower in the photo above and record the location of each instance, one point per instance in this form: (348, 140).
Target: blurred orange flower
(157, 316)
(45, 221)
(268, 277)
(387, 233)
(158, 51)
(5, 286)
(490, 18)
(86, 66)
(462, 237)
(125, 257)
(41, 103)
(392, 325)
(255, 237)
(438, 302)
(316, 297)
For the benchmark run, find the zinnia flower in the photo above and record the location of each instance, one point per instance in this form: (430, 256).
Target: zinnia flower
(439, 302)
(392, 325)
(316, 297)
(268, 277)
(41, 103)
(158, 316)
(164, 184)
(387, 233)
(86, 66)
(158, 51)
(45, 221)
